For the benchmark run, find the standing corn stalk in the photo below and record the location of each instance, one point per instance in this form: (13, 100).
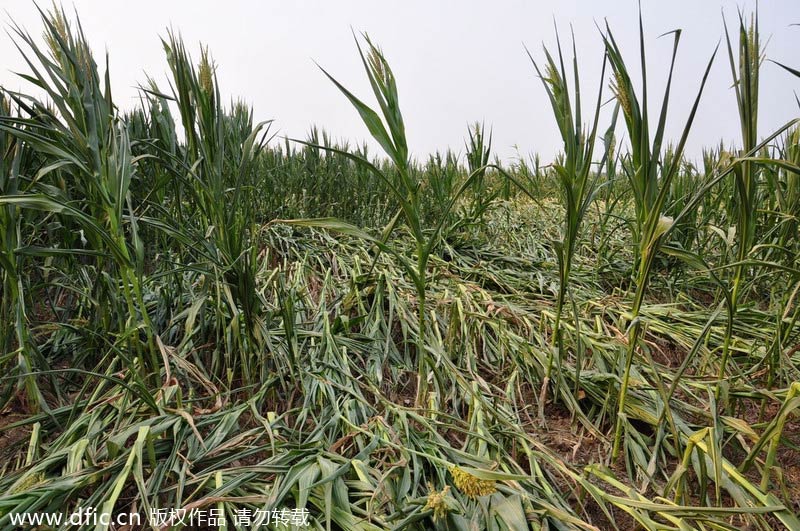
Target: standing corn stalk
(83, 141)
(650, 175)
(15, 337)
(578, 187)
(745, 82)
(479, 149)
(406, 188)
(219, 160)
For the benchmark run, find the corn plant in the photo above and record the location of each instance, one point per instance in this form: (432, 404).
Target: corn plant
(745, 82)
(82, 140)
(405, 187)
(650, 177)
(219, 161)
(15, 338)
(578, 184)
(479, 149)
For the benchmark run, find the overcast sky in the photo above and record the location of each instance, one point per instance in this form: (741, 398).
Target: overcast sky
(456, 61)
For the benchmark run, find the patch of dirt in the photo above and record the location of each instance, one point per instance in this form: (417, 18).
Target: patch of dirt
(403, 391)
(12, 439)
(667, 353)
(703, 297)
(572, 443)
(576, 446)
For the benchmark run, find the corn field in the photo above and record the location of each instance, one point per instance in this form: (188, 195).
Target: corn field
(198, 313)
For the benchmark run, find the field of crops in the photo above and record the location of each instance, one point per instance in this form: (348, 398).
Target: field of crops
(199, 314)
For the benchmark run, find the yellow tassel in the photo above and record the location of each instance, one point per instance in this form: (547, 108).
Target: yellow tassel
(471, 485)
(437, 502)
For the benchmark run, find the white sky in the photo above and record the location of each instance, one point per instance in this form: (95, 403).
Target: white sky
(455, 61)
